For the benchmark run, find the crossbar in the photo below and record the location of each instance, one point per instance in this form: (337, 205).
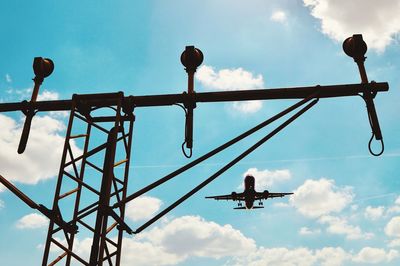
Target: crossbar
(328, 91)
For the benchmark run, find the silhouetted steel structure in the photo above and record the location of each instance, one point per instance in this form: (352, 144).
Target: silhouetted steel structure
(99, 198)
(96, 216)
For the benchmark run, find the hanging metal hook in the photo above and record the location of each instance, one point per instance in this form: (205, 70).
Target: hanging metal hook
(187, 155)
(191, 58)
(370, 146)
(356, 48)
(42, 68)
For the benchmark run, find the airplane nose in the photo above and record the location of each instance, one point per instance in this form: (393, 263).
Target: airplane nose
(249, 205)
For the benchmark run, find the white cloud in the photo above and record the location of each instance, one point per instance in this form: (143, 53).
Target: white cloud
(142, 208)
(8, 78)
(374, 213)
(32, 221)
(264, 179)
(146, 254)
(375, 255)
(25, 94)
(228, 79)
(134, 252)
(194, 236)
(1, 204)
(41, 159)
(280, 256)
(279, 16)
(395, 208)
(232, 79)
(247, 107)
(177, 240)
(320, 197)
(186, 237)
(340, 226)
(393, 227)
(47, 96)
(308, 231)
(328, 256)
(378, 22)
(394, 243)
(397, 201)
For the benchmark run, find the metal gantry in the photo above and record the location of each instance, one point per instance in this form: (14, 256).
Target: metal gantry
(93, 192)
(100, 129)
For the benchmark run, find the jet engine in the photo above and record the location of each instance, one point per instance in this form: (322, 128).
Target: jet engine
(265, 194)
(234, 195)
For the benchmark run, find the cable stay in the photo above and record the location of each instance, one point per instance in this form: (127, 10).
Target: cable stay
(217, 150)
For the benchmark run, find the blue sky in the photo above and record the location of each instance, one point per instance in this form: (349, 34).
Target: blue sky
(345, 210)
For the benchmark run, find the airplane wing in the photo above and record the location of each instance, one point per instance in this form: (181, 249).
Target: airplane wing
(266, 195)
(234, 196)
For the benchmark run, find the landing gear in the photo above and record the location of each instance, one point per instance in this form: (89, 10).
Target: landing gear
(260, 203)
(239, 204)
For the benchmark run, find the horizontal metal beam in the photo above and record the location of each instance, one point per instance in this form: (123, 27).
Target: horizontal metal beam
(98, 100)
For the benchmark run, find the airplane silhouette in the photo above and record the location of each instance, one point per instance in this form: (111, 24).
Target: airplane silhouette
(249, 195)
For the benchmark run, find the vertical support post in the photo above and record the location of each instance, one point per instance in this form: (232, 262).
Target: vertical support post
(59, 183)
(92, 199)
(98, 244)
(42, 67)
(127, 145)
(191, 58)
(79, 191)
(356, 48)
(190, 106)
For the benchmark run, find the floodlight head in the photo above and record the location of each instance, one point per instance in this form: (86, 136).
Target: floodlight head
(42, 67)
(191, 58)
(355, 47)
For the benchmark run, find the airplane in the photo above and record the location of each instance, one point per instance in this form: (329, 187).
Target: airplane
(249, 195)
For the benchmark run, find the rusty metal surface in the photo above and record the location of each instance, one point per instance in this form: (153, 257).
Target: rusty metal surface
(329, 91)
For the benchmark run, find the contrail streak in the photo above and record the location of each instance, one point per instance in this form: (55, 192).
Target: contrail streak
(349, 157)
(376, 197)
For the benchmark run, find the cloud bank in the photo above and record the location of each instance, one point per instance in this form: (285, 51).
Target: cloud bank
(232, 79)
(379, 22)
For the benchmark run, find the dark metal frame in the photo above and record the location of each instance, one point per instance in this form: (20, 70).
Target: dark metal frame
(112, 200)
(118, 130)
(329, 91)
(104, 217)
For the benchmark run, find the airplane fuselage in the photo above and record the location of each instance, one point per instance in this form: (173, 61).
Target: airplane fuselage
(249, 191)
